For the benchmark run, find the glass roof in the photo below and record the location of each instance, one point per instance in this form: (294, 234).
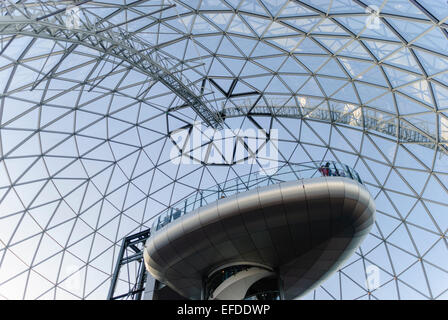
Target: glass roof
(93, 93)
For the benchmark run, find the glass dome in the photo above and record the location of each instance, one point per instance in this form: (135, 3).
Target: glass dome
(96, 95)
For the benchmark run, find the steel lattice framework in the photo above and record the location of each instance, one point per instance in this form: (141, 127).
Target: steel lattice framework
(101, 37)
(365, 121)
(88, 108)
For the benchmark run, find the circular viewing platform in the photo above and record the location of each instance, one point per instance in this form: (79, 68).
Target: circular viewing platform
(261, 236)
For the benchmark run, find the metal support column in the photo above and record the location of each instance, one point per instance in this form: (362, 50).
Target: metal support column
(134, 243)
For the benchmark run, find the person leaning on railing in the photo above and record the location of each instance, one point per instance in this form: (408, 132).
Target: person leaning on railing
(325, 170)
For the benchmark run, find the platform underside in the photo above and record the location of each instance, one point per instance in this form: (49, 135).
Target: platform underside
(304, 230)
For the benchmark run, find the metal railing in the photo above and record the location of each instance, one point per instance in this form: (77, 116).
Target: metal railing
(250, 181)
(366, 119)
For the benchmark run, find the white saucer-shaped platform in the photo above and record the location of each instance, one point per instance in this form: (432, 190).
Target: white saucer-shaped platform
(304, 230)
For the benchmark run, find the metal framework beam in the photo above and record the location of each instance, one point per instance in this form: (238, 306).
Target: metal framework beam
(117, 43)
(135, 243)
(404, 132)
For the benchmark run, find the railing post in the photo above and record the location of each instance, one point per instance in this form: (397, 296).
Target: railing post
(141, 281)
(201, 197)
(113, 285)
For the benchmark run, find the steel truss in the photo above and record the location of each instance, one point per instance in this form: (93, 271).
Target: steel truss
(135, 244)
(50, 24)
